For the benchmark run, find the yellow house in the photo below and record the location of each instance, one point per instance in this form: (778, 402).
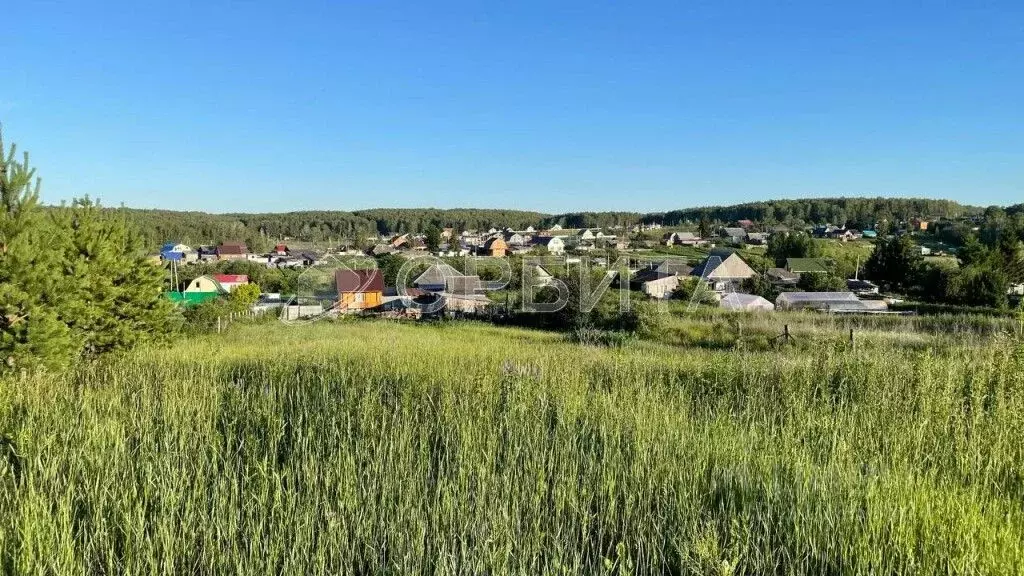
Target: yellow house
(205, 284)
(359, 289)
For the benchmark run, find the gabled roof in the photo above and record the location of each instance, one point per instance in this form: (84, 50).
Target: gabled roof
(358, 281)
(463, 285)
(735, 232)
(541, 272)
(714, 267)
(435, 275)
(858, 284)
(674, 267)
(231, 278)
(490, 244)
(782, 274)
(234, 248)
(801, 265)
(648, 275)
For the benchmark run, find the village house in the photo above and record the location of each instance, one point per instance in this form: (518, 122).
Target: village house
(400, 241)
(434, 278)
(359, 289)
(207, 285)
(758, 238)
(231, 281)
(735, 235)
(380, 250)
(280, 250)
(780, 277)
(676, 267)
(515, 239)
(844, 234)
(723, 271)
(495, 247)
(807, 265)
(654, 283)
(861, 287)
(745, 224)
(172, 252)
(232, 251)
(206, 253)
(553, 244)
(538, 275)
(463, 294)
(822, 231)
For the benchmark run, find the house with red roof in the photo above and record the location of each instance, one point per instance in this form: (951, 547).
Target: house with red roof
(231, 281)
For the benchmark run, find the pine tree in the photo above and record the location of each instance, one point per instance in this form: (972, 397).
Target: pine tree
(115, 299)
(32, 283)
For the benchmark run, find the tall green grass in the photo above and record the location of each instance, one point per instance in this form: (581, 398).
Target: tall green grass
(371, 448)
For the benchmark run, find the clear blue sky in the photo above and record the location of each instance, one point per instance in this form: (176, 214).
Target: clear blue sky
(267, 105)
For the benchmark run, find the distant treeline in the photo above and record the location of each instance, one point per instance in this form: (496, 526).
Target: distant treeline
(858, 212)
(402, 220)
(260, 230)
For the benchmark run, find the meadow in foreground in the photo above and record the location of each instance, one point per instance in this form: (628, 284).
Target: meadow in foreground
(374, 448)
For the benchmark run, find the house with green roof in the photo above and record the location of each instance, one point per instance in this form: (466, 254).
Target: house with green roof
(808, 265)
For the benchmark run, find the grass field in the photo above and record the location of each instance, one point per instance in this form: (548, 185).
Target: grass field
(383, 448)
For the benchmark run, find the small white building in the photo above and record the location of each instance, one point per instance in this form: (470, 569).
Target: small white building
(554, 244)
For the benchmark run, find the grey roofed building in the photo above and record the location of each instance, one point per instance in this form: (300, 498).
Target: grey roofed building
(758, 237)
(736, 234)
(782, 276)
(463, 285)
(435, 277)
(677, 267)
(862, 287)
(646, 275)
(381, 249)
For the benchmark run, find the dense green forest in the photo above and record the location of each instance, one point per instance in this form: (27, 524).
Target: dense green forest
(857, 212)
(261, 230)
(402, 220)
(594, 219)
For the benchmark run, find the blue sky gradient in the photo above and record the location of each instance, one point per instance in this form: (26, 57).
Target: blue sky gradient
(269, 105)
